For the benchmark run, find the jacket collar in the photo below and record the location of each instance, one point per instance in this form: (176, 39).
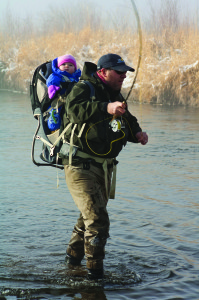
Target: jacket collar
(89, 72)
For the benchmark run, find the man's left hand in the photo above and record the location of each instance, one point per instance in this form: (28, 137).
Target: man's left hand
(142, 137)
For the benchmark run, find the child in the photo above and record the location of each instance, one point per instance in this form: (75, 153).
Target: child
(64, 71)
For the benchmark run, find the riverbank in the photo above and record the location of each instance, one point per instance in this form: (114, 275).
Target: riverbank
(168, 74)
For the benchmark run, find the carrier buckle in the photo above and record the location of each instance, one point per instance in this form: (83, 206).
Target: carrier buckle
(52, 151)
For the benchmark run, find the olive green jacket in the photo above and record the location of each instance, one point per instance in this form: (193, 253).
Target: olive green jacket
(99, 137)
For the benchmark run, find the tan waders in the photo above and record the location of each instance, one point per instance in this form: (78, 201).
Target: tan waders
(87, 186)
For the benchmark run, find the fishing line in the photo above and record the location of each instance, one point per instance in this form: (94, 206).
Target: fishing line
(120, 138)
(103, 154)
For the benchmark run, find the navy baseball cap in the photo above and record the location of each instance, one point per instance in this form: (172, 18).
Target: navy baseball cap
(113, 62)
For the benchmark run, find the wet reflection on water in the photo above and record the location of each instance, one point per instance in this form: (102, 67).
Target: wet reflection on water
(152, 252)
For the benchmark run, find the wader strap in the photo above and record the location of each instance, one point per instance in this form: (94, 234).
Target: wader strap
(113, 182)
(71, 145)
(105, 168)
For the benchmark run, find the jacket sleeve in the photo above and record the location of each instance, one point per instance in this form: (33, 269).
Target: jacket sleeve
(133, 126)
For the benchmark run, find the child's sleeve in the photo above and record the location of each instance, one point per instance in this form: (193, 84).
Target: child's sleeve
(53, 83)
(52, 90)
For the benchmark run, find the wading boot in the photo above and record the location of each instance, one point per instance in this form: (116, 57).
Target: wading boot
(94, 274)
(71, 260)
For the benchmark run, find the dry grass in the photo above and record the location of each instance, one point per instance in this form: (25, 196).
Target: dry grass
(161, 77)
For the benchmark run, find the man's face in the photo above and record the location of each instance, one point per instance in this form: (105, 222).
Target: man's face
(114, 79)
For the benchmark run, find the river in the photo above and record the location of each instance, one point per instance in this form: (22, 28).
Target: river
(153, 249)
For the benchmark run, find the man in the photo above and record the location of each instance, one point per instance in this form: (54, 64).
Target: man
(98, 128)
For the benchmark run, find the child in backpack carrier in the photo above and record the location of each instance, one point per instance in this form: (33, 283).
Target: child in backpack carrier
(64, 71)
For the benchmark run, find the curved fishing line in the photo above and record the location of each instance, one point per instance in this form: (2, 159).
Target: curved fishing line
(103, 154)
(140, 48)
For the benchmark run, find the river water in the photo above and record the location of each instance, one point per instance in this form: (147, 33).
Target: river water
(153, 249)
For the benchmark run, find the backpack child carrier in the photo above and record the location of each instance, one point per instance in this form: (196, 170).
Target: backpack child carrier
(44, 110)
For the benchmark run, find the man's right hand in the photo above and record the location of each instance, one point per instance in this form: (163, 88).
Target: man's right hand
(116, 108)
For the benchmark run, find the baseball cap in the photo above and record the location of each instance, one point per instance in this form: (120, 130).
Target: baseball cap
(113, 62)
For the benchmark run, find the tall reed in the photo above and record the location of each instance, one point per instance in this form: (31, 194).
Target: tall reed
(169, 70)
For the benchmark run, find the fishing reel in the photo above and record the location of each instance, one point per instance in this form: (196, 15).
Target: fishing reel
(116, 125)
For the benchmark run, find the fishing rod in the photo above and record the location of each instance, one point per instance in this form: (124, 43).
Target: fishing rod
(140, 48)
(140, 54)
(115, 123)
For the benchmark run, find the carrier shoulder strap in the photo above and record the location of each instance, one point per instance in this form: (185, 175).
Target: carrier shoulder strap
(92, 90)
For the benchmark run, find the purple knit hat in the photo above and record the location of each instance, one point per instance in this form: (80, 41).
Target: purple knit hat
(66, 58)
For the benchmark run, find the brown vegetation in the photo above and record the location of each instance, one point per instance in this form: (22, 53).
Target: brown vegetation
(169, 70)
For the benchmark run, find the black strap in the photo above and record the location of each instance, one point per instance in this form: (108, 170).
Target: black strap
(92, 90)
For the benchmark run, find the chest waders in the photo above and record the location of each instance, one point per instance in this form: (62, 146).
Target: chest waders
(105, 162)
